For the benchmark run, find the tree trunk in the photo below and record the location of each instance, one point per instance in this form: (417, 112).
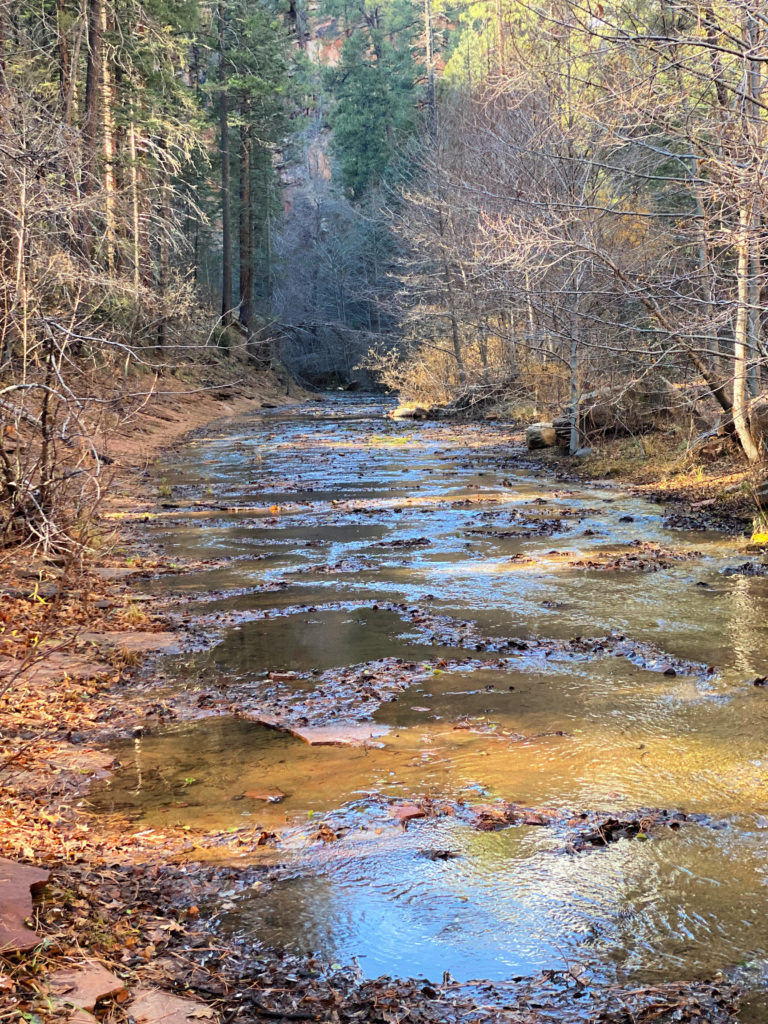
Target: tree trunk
(431, 108)
(268, 233)
(226, 228)
(90, 129)
(246, 233)
(163, 261)
(108, 137)
(65, 68)
(294, 13)
(573, 444)
(135, 226)
(741, 339)
(455, 338)
(69, 99)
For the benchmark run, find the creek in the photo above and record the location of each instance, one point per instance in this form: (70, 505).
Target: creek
(338, 538)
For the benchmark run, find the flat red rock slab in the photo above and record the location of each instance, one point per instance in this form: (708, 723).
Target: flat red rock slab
(82, 760)
(52, 667)
(269, 796)
(82, 987)
(137, 642)
(116, 572)
(407, 812)
(151, 1006)
(338, 735)
(17, 883)
(354, 734)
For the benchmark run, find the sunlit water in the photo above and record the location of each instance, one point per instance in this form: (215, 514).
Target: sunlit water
(304, 505)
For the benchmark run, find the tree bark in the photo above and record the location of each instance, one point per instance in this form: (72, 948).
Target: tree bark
(90, 128)
(226, 227)
(135, 226)
(108, 146)
(246, 232)
(741, 339)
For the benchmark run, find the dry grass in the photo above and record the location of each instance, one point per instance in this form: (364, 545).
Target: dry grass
(663, 467)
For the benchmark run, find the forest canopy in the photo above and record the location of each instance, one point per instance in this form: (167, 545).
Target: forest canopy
(560, 203)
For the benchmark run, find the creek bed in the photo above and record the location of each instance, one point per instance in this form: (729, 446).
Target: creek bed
(349, 539)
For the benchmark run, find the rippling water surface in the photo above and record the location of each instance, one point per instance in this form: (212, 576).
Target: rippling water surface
(321, 518)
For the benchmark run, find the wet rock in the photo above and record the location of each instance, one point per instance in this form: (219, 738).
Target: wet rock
(408, 812)
(342, 734)
(269, 796)
(644, 557)
(339, 735)
(326, 834)
(540, 435)
(747, 569)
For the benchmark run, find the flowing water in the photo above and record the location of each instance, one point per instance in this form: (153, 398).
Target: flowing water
(336, 537)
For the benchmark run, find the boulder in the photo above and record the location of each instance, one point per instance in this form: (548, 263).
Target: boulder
(540, 435)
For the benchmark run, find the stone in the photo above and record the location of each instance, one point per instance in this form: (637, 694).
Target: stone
(136, 642)
(345, 734)
(53, 666)
(408, 812)
(17, 884)
(540, 435)
(116, 572)
(269, 796)
(83, 986)
(339, 735)
(82, 760)
(152, 1006)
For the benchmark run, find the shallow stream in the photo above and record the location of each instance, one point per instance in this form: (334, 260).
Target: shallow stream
(338, 537)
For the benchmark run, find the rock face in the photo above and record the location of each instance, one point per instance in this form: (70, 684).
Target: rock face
(540, 435)
(762, 494)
